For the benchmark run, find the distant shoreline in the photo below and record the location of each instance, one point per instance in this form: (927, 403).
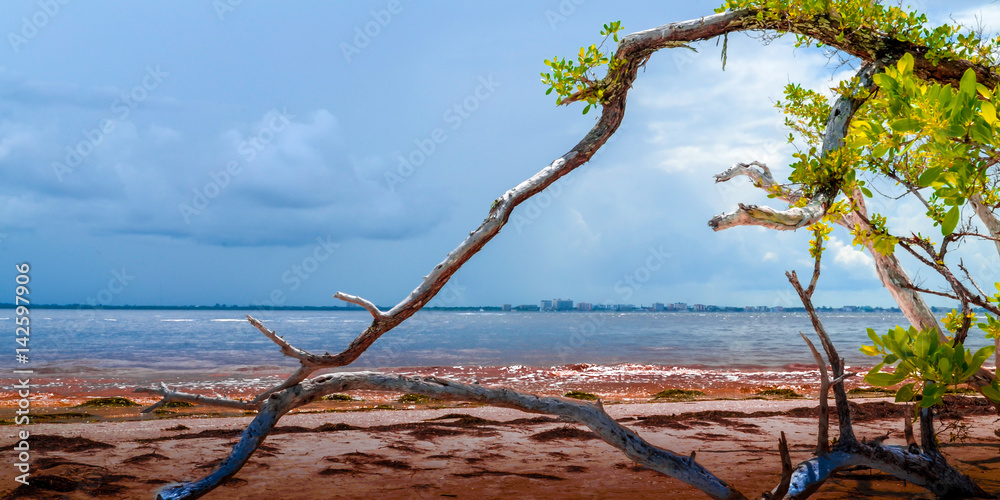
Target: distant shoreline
(716, 309)
(719, 309)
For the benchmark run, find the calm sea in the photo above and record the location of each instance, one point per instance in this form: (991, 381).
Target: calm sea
(94, 341)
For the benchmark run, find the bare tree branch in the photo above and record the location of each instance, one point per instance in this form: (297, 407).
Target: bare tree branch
(169, 396)
(782, 220)
(361, 302)
(927, 469)
(823, 435)
(961, 265)
(840, 395)
(796, 217)
(786, 471)
(911, 443)
(762, 178)
(986, 215)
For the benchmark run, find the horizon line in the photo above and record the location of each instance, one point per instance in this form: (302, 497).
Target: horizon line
(352, 307)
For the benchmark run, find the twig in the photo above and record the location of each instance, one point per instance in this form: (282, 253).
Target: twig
(372, 308)
(823, 435)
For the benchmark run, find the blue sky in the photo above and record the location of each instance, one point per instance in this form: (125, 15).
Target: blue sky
(183, 153)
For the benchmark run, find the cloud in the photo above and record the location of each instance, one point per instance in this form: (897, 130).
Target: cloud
(585, 237)
(770, 257)
(985, 16)
(282, 179)
(18, 89)
(856, 262)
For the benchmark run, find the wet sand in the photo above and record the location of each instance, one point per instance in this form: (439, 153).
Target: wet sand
(622, 382)
(473, 452)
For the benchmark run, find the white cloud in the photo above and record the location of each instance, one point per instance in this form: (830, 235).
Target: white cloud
(986, 17)
(163, 135)
(770, 257)
(14, 136)
(586, 238)
(856, 262)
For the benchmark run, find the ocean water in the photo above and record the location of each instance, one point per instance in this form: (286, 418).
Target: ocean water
(104, 341)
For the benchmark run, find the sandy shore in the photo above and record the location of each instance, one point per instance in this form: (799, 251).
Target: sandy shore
(474, 452)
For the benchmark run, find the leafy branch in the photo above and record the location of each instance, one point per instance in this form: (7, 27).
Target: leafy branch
(575, 80)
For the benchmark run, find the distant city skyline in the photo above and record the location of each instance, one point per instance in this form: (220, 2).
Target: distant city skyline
(543, 305)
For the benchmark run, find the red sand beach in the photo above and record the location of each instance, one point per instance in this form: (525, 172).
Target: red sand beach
(470, 452)
(404, 450)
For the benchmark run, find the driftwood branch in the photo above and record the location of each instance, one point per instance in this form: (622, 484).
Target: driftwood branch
(927, 468)
(786, 471)
(170, 396)
(592, 415)
(985, 214)
(783, 220)
(368, 305)
(823, 435)
(794, 218)
(760, 177)
(836, 363)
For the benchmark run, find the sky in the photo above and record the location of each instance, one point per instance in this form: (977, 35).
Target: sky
(195, 153)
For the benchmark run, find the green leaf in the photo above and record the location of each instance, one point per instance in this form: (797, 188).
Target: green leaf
(932, 394)
(989, 112)
(875, 338)
(984, 352)
(883, 379)
(867, 192)
(905, 63)
(921, 346)
(992, 392)
(905, 393)
(981, 133)
(968, 83)
(950, 221)
(929, 176)
(904, 125)
(870, 350)
(858, 141)
(955, 130)
(944, 364)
